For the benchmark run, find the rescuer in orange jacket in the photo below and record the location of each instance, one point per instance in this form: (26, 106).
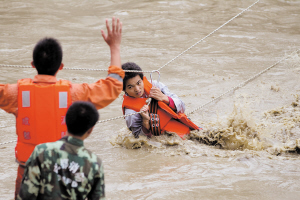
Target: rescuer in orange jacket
(170, 107)
(40, 104)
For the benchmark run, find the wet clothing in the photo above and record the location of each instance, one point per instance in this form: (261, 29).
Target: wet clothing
(64, 169)
(134, 122)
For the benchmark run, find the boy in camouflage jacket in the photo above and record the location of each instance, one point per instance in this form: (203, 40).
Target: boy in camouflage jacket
(65, 169)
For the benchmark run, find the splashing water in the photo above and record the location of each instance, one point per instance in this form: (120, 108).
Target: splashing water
(277, 133)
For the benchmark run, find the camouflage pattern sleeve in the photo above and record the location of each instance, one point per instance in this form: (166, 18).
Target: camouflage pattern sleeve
(31, 179)
(97, 191)
(63, 170)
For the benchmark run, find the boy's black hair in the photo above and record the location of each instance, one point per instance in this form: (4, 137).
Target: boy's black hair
(47, 56)
(80, 117)
(129, 75)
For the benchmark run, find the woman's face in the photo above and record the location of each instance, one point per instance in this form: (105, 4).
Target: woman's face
(135, 87)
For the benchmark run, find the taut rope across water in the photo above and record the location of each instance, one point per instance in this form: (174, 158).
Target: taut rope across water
(243, 83)
(89, 69)
(200, 107)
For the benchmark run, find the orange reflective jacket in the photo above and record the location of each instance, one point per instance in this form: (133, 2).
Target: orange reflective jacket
(41, 114)
(169, 120)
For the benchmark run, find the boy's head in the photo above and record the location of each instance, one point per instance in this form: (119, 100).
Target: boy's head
(129, 75)
(80, 117)
(133, 81)
(47, 56)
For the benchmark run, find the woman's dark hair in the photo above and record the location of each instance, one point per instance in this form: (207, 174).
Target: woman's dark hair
(129, 75)
(47, 56)
(80, 117)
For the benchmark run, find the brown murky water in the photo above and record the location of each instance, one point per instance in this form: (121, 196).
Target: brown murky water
(247, 148)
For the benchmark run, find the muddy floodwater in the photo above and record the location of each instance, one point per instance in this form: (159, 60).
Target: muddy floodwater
(249, 144)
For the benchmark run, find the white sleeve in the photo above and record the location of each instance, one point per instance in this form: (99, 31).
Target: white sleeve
(180, 106)
(134, 122)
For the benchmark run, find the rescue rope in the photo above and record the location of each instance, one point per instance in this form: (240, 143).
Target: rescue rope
(208, 35)
(200, 107)
(90, 69)
(8, 142)
(68, 68)
(123, 116)
(232, 89)
(100, 121)
(243, 83)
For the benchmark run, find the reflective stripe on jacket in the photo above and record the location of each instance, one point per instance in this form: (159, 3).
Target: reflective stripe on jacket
(169, 120)
(41, 115)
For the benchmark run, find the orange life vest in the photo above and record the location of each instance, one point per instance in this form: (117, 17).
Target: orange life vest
(41, 115)
(169, 120)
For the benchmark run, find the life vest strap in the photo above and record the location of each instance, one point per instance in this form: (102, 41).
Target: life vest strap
(153, 106)
(154, 118)
(155, 124)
